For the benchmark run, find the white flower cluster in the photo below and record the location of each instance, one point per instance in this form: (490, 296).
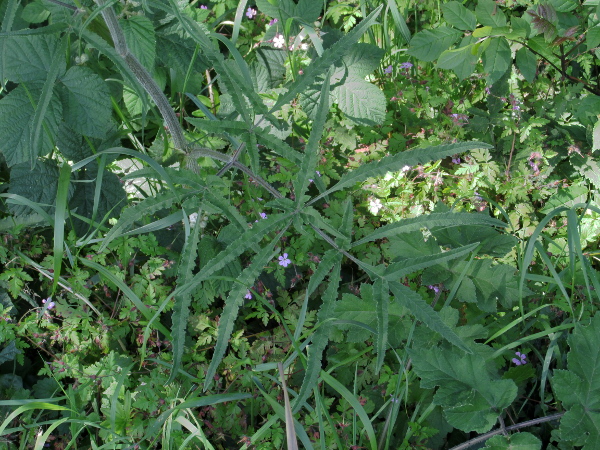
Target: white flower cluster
(193, 218)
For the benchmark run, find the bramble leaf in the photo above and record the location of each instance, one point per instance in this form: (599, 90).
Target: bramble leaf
(17, 114)
(86, 102)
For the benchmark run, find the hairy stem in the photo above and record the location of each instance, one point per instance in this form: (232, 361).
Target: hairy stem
(529, 423)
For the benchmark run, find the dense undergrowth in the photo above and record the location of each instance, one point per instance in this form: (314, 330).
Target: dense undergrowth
(283, 224)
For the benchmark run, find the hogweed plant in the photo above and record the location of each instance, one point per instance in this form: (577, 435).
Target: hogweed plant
(242, 274)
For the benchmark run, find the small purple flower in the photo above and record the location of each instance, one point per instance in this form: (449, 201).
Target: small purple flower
(48, 303)
(388, 69)
(203, 7)
(273, 22)
(318, 173)
(520, 359)
(406, 65)
(263, 215)
(250, 13)
(248, 295)
(478, 197)
(435, 288)
(284, 260)
(456, 160)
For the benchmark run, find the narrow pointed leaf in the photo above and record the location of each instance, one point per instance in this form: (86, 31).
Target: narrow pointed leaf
(311, 153)
(181, 310)
(381, 297)
(396, 162)
(426, 314)
(321, 336)
(234, 301)
(444, 219)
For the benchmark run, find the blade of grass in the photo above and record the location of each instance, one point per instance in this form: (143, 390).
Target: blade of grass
(62, 195)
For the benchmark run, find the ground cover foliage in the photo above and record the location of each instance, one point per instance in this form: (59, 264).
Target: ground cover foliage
(299, 224)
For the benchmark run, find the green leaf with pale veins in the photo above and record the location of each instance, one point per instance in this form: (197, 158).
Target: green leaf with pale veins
(518, 441)
(141, 39)
(428, 45)
(38, 185)
(496, 59)
(472, 398)
(458, 16)
(17, 115)
(86, 102)
(578, 388)
(361, 101)
(489, 14)
(28, 58)
(526, 63)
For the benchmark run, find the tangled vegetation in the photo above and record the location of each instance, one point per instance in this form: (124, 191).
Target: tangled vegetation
(299, 223)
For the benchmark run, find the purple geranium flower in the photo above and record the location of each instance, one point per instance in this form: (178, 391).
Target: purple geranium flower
(388, 69)
(250, 13)
(520, 359)
(406, 65)
(284, 260)
(48, 303)
(248, 294)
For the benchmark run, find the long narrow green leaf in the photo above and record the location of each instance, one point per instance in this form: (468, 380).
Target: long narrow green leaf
(237, 21)
(426, 314)
(247, 240)
(324, 267)
(234, 301)
(353, 401)
(145, 208)
(381, 298)
(400, 269)
(280, 414)
(292, 442)
(58, 64)
(181, 310)
(329, 58)
(396, 162)
(146, 312)
(17, 199)
(311, 153)
(231, 76)
(443, 219)
(219, 126)
(399, 21)
(29, 407)
(277, 145)
(321, 337)
(62, 195)
(199, 402)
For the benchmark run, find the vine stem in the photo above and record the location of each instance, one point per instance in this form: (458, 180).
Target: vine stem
(501, 430)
